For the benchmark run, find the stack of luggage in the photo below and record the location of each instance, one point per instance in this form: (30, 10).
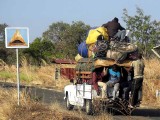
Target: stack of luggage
(98, 46)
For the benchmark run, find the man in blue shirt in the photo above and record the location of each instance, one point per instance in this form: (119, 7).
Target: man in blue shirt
(114, 78)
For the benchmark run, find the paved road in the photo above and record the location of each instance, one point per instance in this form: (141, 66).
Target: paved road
(51, 96)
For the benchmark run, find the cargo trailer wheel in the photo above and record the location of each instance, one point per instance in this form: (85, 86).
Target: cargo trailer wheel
(68, 105)
(89, 107)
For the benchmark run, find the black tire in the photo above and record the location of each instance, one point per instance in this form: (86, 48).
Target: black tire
(68, 105)
(111, 111)
(88, 107)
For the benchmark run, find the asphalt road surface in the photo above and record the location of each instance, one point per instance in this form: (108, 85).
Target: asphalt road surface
(50, 96)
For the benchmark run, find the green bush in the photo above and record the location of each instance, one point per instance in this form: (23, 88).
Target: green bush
(7, 75)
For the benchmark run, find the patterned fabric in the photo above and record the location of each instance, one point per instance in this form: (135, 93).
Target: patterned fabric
(101, 48)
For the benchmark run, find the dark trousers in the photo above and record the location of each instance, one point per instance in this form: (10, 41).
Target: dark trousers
(125, 88)
(136, 86)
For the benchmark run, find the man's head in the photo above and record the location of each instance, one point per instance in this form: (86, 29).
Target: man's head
(115, 67)
(139, 56)
(116, 19)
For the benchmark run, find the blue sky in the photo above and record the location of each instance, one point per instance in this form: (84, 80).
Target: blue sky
(39, 14)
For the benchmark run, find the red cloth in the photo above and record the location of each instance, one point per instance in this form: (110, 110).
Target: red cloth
(97, 77)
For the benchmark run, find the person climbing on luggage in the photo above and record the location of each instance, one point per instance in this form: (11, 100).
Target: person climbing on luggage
(138, 68)
(114, 78)
(101, 47)
(115, 30)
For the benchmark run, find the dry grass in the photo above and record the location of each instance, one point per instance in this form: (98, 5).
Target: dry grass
(79, 113)
(45, 76)
(31, 110)
(151, 82)
(30, 75)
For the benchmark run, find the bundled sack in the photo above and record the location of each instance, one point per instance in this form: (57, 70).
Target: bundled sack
(115, 55)
(83, 50)
(121, 56)
(94, 33)
(98, 50)
(120, 51)
(101, 47)
(123, 46)
(78, 57)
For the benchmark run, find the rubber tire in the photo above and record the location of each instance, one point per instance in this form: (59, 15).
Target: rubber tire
(111, 111)
(88, 107)
(68, 105)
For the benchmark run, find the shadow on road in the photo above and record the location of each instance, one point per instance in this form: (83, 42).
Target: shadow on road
(39, 94)
(146, 112)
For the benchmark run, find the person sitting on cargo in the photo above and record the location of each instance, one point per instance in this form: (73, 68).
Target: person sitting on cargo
(97, 77)
(115, 30)
(114, 78)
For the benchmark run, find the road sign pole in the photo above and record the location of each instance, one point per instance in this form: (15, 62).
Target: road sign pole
(18, 81)
(12, 35)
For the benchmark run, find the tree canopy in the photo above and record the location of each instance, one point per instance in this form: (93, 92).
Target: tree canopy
(2, 31)
(66, 37)
(40, 50)
(6, 54)
(145, 33)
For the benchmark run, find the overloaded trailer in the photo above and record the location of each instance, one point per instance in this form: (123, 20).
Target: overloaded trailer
(82, 93)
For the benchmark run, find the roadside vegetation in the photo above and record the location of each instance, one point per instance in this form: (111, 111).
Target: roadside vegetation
(33, 110)
(44, 76)
(151, 83)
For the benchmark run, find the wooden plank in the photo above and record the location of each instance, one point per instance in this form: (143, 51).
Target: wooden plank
(83, 72)
(106, 63)
(86, 77)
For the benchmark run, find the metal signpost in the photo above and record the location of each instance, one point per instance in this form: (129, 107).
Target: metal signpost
(17, 37)
(18, 77)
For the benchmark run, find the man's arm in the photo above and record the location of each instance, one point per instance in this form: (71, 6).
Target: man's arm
(94, 78)
(131, 67)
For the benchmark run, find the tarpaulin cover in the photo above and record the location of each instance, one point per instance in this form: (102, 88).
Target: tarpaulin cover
(94, 33)
(83, 50)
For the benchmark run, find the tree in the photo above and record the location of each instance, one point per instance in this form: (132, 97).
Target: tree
(40, 50)
(2, 31)
(66, 37)
(145, 33)
(6, 54)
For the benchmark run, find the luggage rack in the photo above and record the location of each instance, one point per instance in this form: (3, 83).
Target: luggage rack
(84, 76)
